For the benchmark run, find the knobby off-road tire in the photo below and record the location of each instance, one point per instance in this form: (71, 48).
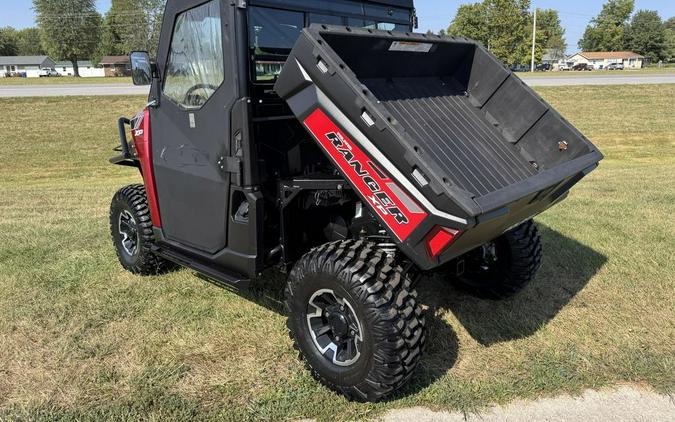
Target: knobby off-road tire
(376, 293)
(131, 231)
(518, 258)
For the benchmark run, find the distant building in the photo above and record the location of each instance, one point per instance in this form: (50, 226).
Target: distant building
(601, 59)
(85, 67)
(28, 66)
(553, 58)
(116, 66)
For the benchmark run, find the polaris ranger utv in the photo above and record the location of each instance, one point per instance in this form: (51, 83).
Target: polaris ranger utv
(354, 154)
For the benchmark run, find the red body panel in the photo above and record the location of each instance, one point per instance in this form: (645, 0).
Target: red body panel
(399, 212)
(143, 142)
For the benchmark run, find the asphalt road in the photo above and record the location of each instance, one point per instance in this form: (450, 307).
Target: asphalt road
(125, 89)
(564, 79)
(70, 90)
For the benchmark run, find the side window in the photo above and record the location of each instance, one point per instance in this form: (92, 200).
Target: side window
(272, 34)
(195, 67)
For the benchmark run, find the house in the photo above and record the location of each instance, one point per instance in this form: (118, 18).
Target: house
(601, 59)
(85, 67)
(28, 66)
(116, 66)
(554, 58)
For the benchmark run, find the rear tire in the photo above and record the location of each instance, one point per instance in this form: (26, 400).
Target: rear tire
(384, 335)
(131, 231)
(509, 265)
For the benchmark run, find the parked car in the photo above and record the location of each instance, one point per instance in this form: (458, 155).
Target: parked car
(49, 73)
(582, 66)
(520, 68)
(615, 66)
(543, 67)
(564, 67)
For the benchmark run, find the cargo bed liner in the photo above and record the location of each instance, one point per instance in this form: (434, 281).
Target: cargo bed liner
(470, 150)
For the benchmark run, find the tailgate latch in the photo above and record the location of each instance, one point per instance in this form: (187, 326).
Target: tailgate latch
(231, 165)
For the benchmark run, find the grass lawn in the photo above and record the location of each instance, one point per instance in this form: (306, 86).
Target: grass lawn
(64, 80)
(84, 340)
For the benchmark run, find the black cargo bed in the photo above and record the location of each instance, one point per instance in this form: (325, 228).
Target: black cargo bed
(472, 136)
(469, 150)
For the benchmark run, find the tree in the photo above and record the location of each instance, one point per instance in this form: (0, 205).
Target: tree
(670, 24)
(607, 31)
(110, 43)
(8, 42)
(503, 26)
(471, 22)
(131, 25)
(69, 28)
(510, 30)
(550, 33)
(647, 35)
(29, 42)
(669, 44)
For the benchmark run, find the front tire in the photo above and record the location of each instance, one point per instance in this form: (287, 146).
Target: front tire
(354, 318)
(131, 231)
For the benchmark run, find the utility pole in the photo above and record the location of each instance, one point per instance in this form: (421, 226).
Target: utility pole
(534, 37)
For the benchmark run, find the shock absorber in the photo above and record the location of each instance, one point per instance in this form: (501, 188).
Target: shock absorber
(385, 243)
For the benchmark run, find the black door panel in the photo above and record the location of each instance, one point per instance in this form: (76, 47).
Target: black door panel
(191, 127)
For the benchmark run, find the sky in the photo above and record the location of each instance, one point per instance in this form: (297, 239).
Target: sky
(434, 14)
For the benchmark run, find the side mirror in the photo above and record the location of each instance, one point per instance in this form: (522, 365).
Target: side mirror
(141, 68)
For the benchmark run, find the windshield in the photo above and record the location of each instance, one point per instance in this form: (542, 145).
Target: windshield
(273, 32)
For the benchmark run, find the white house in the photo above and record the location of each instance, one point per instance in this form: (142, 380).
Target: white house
(601, 59)
(554, 58)
(85, 67)
(28, 65)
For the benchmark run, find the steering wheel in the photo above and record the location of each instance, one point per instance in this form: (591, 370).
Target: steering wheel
(196, 100)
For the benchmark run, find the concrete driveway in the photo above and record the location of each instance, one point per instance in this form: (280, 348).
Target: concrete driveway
(626, 404)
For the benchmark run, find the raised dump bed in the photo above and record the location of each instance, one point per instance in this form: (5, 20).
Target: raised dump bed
(476, 140)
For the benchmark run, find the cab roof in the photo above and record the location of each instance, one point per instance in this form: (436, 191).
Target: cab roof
(408, 4)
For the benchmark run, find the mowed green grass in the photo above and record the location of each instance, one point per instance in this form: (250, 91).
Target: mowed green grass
(64, 80)
(83, 340)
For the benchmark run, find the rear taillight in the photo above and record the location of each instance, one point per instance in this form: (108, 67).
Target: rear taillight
(439, 239)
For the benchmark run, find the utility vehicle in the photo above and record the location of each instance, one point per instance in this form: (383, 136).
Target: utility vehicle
(353, 154)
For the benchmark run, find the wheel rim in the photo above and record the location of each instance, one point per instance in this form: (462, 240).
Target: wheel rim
(336, 330)
(128, 230)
